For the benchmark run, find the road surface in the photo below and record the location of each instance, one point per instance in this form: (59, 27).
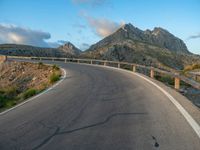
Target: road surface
(97, 108)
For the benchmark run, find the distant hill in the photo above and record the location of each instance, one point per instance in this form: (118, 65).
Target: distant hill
(156, 48)
(67, 50)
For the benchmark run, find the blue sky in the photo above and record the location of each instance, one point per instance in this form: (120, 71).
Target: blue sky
(84, 22)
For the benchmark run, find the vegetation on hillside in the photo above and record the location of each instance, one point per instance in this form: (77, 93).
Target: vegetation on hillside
(19, 81)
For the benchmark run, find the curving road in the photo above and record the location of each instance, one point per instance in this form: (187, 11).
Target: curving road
(97, 108)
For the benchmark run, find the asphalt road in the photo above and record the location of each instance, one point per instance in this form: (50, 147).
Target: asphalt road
(97, 108)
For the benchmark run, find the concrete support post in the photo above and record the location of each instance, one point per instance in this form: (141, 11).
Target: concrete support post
(177, 83)
(134, 68)
(118, 65)
(65, 60)
(78, 61)
(104, 63)
(91, 62)
(152, 73)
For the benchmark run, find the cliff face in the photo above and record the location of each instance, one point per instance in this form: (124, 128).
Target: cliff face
(157, 47)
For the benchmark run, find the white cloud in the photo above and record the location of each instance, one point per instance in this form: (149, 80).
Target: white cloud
(19, 35)
(194, 36)
(103, 27)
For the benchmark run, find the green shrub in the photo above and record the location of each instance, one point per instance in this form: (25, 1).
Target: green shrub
(40, 65)
(55, 67)
(28, 93)
(191, 67)
(2, 101)
(165, 79)
(10, 91)
(196, 66)
(54, 77)
(10, 103)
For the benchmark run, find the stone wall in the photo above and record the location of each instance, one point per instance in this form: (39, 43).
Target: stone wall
(3, 59)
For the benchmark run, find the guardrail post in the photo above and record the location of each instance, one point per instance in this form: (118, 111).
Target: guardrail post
(40, 58)
(118, 65)
(134, 68)
(91, 62)
(195, 77)
(78, 61)
(65, 60)
(104, 63)
(177, 83)
(52, 59)
(152, 73)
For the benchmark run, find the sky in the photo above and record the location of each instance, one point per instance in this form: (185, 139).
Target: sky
(84, 22)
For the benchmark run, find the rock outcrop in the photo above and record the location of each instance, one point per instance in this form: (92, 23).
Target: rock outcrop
(70, 49)
(154, 48)
(157, 37)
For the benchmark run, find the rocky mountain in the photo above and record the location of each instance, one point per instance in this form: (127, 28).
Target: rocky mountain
(156, 48)
(70, 48)
(158, 37)
(67, 50)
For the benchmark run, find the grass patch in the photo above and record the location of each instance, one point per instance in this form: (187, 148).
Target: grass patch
(8, 96)
(29, 93)
(165, 79)
(55, 67)
(12, 95)
(40, 65)
(190, 68)
(54, 77)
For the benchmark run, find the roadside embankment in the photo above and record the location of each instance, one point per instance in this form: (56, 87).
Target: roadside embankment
(21, 80)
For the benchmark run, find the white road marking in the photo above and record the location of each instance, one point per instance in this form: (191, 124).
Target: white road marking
(195, 126)
(36, 96)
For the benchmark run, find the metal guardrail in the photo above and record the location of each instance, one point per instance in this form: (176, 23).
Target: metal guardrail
(176, 75)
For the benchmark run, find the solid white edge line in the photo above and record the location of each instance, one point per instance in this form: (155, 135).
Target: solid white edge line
(34, 97)
(195, 126)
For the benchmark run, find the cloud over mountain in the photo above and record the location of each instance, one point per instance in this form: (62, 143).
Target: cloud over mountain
(101, 26)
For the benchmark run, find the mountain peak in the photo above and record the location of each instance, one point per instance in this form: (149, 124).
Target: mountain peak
(158, 37)
(129, 27)
(70, 48)
(159, 30)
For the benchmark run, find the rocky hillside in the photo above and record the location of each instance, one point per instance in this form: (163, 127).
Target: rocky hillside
(20, 80)
(68, 50)
(157, 47)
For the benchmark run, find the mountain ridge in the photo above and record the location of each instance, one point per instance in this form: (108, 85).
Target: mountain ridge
(153, 48)
(67, 50)
(157, 47)
(157, 37)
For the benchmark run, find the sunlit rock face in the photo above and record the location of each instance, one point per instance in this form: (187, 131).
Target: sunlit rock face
(156, 47)
(70, 48)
